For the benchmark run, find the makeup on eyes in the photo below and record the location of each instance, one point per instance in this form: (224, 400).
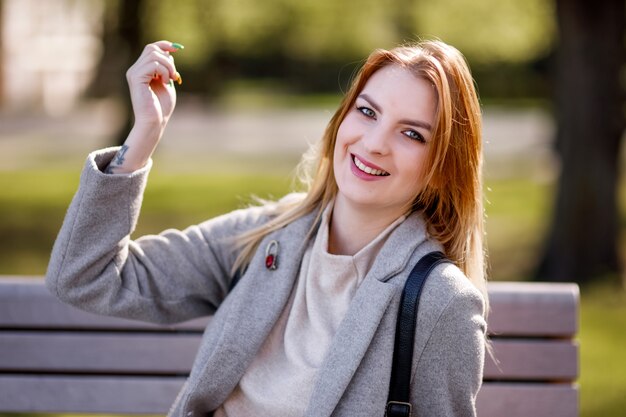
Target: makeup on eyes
(409, 122)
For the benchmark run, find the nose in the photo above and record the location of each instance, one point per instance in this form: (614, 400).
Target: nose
(376, 140)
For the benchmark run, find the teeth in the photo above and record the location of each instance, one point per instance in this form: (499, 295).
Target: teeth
(367, 169)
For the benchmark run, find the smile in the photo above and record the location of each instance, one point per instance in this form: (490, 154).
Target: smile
(368, 170)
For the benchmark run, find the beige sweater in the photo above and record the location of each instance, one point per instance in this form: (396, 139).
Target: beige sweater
(280, 379)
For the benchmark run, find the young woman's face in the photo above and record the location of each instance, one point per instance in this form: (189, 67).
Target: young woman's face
(383, 141)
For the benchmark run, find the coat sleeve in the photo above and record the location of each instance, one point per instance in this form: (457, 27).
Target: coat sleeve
(450, 368)
(171, 277)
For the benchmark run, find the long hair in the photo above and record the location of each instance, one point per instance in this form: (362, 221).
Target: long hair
(451, 200)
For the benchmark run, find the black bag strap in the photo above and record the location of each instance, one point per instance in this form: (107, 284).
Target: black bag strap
(235, 279)
(398, 402)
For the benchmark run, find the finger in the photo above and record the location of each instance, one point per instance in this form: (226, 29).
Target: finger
(166, 46)
(147, 72)
(171, 66)
(159, 72)
(157, 63)
(157, 85)
(155, 55)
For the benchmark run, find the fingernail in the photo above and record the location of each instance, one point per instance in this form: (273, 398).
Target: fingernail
(179, 79)
(177, 45)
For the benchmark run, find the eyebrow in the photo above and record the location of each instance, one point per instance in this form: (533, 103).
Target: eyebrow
(416, 123)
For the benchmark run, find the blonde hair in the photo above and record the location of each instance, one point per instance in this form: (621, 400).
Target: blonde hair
(451, 200)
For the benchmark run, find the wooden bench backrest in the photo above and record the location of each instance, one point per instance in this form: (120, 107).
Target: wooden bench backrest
(55, 358)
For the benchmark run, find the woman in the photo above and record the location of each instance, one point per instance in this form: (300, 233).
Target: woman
(308, 329)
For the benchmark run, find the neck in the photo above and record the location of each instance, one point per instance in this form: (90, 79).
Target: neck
(352, 228)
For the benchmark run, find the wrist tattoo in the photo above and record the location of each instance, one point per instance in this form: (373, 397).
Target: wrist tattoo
(119, 157)
(117, 161)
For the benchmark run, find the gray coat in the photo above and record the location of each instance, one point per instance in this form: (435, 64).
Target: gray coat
(179, 275)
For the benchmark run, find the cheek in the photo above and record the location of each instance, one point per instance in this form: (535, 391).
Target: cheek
(339, 150)
(341, 135)
(348, 130)
(420, 167)
(415, 165)
(343, 139)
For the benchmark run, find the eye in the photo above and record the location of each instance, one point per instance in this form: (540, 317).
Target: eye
(413, 135)
(366, 111)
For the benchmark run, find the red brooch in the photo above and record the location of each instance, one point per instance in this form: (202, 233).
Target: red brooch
(271, 255)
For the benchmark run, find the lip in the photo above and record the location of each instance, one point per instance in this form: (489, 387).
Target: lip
(364, 175)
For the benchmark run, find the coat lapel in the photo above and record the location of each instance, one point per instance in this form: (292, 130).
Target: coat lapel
(364, 315)
(349, 345)
(262, 294)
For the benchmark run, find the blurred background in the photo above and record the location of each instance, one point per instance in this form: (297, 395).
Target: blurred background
(261, 80)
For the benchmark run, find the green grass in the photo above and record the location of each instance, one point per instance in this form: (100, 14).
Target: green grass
(32, 206)
(602, 346)
(259, 95)
(183, 199)
(33, 203)
(516, 222)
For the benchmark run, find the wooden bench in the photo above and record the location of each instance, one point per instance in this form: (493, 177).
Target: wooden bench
(55, 358)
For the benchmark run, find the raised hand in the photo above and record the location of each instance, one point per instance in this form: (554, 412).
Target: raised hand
(151, 82)
(153, 95)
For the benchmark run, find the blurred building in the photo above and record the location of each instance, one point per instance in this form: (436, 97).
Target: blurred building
(49, 52)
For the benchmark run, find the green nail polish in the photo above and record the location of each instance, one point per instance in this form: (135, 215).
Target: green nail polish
(177, 45)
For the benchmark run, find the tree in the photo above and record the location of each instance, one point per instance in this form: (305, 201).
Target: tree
(1, 53)
(582, 240)
(122, 42)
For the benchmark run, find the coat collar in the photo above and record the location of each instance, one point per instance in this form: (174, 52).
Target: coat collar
(366, 311)
(263, 294)
(257, 302)
(401, 244)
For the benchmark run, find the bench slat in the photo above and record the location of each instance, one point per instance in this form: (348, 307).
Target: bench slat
(538, 309)
(56, 358)
(25, 303)
(172, 353)
(536, 400)
(86, 352)
(519, 309)
(532, 360)
(88, 394)
(145, 395)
